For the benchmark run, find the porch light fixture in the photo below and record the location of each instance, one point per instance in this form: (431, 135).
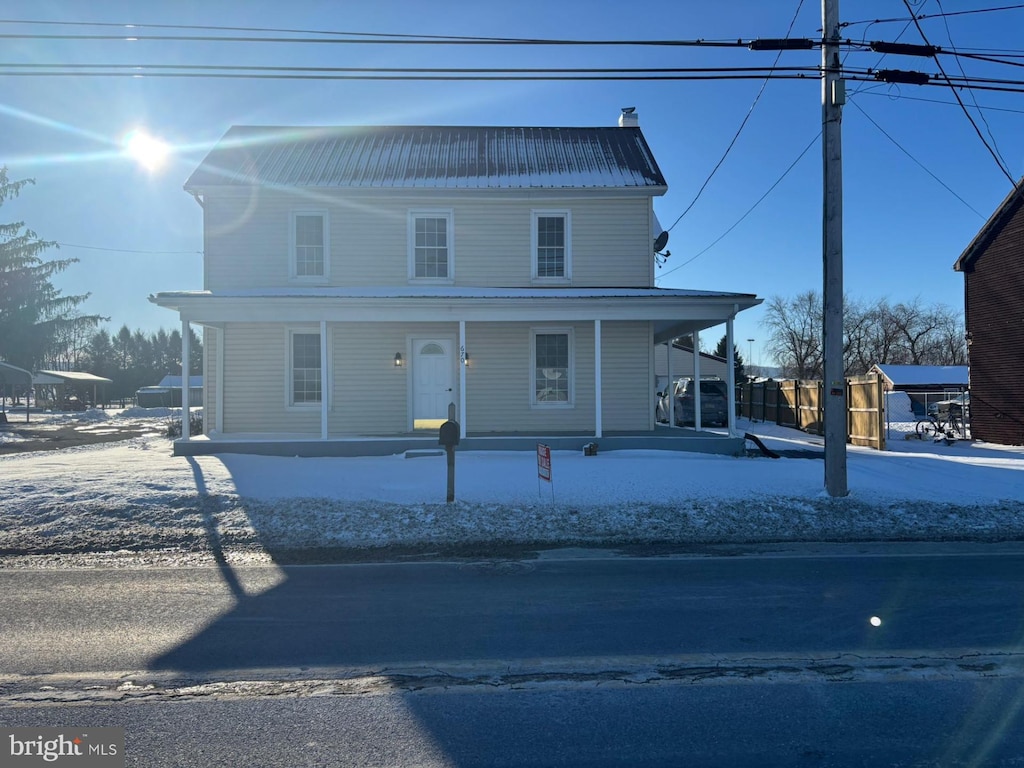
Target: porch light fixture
(398, 359)
(465, 359)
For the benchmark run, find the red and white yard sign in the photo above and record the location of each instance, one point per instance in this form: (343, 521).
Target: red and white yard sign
(544, 462)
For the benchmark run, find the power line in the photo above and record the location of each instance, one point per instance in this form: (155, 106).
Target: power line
(278, 30)
(756, 74)
(974, 98)
(1007, 86)
(138, 68)
(934, 15)
(978, 57)
(995, 155)
(902, 97)
(918, 162)
(749, 210)
(117, 250)
(739, 130)
(390, 40)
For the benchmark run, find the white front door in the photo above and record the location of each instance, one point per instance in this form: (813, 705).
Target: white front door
(432, 382)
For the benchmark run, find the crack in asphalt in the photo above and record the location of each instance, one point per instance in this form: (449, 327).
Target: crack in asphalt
(35, 691)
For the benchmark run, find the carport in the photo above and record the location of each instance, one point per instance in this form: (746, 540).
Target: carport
(59, 380)
(12, 376)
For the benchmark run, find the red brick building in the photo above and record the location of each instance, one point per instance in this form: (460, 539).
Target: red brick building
(993, 269)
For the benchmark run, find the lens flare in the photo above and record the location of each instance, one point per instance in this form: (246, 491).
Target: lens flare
(146, 150)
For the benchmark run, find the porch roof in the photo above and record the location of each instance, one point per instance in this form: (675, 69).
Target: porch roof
(675, 312)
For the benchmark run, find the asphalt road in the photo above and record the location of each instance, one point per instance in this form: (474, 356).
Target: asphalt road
(746, 660)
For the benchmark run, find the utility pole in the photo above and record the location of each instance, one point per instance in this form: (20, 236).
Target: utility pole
(833, 96)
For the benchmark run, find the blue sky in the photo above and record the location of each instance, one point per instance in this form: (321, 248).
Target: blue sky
(903, 228)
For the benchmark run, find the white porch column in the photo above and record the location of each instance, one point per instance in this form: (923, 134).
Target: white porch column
(696, 380)
(598, 427)
(219, 396)
(669, 387)
(730, 358)
(324, 378)
(462, 379)
(186, 354)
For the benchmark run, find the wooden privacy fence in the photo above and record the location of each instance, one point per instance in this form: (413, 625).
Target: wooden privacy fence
(800, 405)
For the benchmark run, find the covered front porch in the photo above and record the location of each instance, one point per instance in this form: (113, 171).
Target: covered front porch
(368, 347)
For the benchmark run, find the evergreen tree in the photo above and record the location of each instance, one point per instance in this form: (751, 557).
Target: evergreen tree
(32, 312)
(721, 350)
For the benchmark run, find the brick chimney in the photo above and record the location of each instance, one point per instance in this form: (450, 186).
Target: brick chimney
(629, 118)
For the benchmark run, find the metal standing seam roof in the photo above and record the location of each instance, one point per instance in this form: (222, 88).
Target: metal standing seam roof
(448, 157)
(80, 377)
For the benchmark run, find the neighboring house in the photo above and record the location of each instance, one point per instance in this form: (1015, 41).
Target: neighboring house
(993, 269)
(167, 393)
(922, 378)
(359, 280)
(923, 384)
(683, 364)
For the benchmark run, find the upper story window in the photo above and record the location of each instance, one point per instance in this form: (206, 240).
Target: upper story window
(304, 368)
(309, 259)
(551, 237)
(431, 252)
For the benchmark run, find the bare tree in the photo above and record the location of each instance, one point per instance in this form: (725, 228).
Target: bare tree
(794, 334)
(859, 323)
(952, 338)
(906, 333)
(70, 341)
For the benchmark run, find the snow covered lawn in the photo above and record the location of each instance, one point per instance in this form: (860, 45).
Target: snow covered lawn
(136, 499)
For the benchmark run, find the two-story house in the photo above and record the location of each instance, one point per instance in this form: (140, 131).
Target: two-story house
(360, 280)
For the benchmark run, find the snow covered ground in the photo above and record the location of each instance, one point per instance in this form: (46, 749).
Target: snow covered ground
(135, 499)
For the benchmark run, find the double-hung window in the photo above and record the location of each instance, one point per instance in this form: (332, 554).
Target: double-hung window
(310, 237)
(552, 370)
(431, 252)
(304, 368)
(550, 239)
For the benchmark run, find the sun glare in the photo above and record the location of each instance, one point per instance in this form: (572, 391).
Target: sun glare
(146, 150)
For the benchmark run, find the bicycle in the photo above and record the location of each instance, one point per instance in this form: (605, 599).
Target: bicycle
(937, 429)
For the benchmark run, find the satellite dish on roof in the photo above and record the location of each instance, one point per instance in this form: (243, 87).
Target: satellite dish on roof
(661, 241)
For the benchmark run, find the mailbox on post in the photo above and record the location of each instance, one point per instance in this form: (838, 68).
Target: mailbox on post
(448, 436)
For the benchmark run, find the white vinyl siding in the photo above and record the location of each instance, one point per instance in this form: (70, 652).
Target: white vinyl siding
(255, 394)
(370, 393)
(626, 393)
(551, 246)
(247, 239)
(431, 246)
(498, 381)
(309, 239)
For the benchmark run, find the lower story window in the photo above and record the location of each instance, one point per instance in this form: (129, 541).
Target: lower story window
(305, 368)
(552, 368)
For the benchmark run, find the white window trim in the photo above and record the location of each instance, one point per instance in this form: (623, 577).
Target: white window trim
(292, 267)
(566, 214)
(289, 403)
(544, 405)
(448, 214)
